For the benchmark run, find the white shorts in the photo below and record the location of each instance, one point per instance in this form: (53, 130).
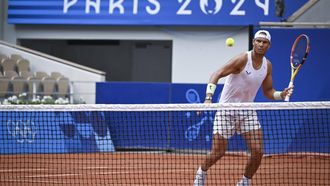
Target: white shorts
(227, 123)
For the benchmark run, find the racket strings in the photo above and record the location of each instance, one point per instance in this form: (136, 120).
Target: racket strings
(299, 52)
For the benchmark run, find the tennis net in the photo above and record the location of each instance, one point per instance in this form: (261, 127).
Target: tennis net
(160, 144)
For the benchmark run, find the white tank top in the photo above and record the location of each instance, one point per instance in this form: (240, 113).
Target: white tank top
(243, 87)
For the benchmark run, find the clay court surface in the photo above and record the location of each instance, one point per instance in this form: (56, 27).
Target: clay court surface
(140, 168)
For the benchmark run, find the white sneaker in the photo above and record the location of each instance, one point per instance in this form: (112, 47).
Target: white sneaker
(200, 177)
(244, 182)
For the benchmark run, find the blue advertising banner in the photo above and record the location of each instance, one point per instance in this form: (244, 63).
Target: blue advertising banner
(132, 92)
(27, 132)
(185, 130)
(146, 12)
(54, 132)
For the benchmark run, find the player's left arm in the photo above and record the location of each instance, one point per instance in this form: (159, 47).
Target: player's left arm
(267, 86)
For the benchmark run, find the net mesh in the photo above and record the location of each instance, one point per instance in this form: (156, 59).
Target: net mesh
(160, 144)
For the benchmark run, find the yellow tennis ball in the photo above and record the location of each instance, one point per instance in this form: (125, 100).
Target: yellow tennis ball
(230, 41)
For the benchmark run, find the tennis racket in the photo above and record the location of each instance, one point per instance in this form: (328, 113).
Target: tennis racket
(299, 52)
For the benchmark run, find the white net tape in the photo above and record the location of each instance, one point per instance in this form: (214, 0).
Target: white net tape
(170, 107)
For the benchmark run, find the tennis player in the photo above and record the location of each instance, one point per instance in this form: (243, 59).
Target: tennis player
(246, 73)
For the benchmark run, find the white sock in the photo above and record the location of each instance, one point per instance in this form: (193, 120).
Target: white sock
(201, 171)
(245, 179)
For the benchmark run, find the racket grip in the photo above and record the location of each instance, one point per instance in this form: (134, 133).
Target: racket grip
(287, 98)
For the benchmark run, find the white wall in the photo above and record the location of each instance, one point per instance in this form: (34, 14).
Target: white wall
(8, 31)
(197, 51)
(2, 18)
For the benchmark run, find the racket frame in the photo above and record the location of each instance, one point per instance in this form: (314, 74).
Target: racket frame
(294, 70)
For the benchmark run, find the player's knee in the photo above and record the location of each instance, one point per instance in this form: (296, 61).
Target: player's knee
(217, 155)
(257, 153)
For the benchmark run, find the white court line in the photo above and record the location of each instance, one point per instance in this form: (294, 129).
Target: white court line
(75, 168)
(32, 181)
(38, 169)
(21, 170)
(61, 183)
(51, 175)
(109, 172)
(33, 177)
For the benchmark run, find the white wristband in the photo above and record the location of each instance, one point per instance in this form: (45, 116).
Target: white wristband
(277, 95)
(210, 89)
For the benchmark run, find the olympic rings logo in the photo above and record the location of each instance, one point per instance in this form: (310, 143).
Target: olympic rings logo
(22, 131)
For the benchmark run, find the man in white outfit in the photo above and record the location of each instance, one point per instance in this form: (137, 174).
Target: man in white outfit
(246, 73)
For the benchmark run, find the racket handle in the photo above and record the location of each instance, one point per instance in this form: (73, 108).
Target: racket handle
(287, 98)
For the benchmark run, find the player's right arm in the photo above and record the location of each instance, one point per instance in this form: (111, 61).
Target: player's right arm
(233, 66)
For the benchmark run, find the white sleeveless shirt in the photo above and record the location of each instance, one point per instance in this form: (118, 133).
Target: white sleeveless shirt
(243, 87)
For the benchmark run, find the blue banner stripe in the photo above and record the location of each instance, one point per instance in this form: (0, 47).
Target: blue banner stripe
(146, 12)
